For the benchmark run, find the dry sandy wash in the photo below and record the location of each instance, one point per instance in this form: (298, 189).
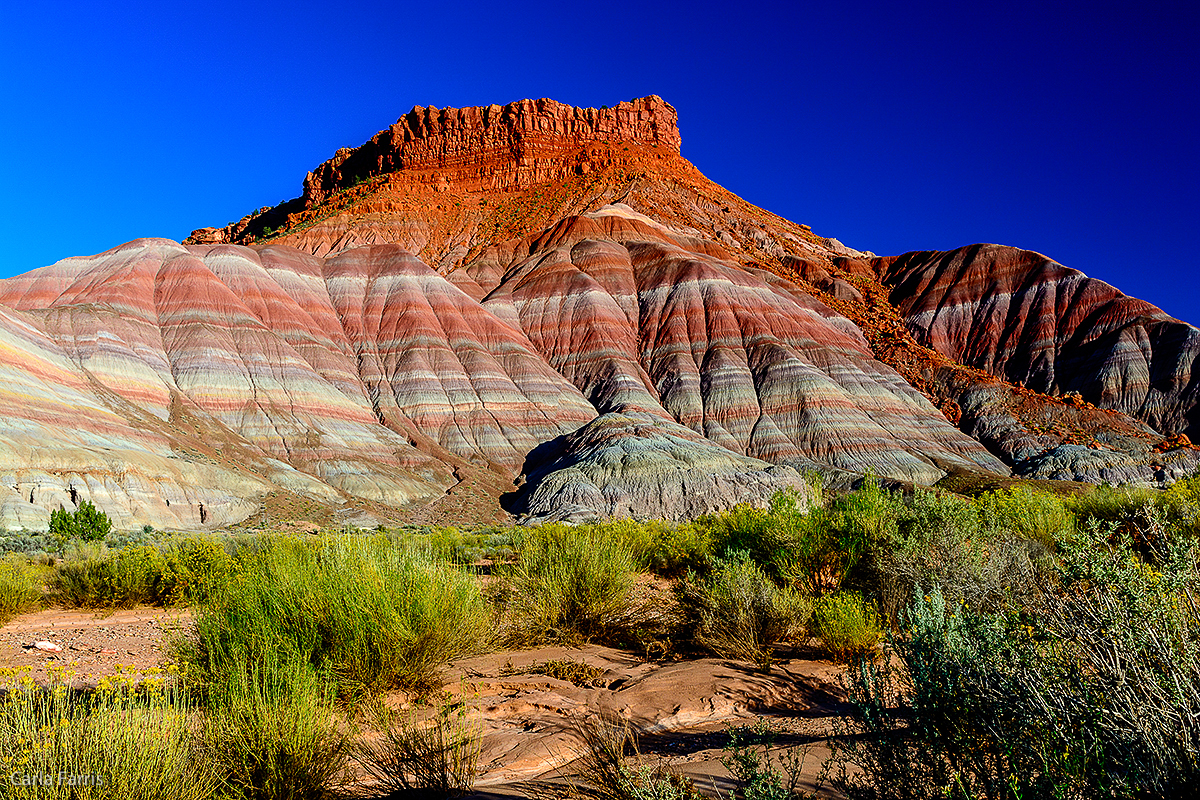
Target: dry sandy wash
(680, 709)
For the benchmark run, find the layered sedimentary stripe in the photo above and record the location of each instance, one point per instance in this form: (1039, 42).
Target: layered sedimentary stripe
(157, 326)
(100, 310)
(756, 367)
(584, 321)
(428, 351)
(228, 362)
(1028, 319)
(285, 291)
(43, 395)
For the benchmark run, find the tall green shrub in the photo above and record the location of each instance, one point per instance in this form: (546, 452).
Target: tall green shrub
(737, 611)
(1111, 504)
(1039, 516)
(365, 612)
(20, 588)
(768, 536)
(568, 584)
(86, 523)
(272, 732)
(95, 577)
(937, 539)
(113, 743)
(194, 569)
(847, 625)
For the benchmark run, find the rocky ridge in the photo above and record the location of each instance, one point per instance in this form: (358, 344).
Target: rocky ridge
(553, 297)
(1041, 435)
(1023, 317)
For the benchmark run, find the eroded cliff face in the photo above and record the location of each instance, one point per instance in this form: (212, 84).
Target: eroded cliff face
(369, 375)
(534, 141)
(220, 373)
(956, 332)
(551, 304)
(449, 184)
(488, 149)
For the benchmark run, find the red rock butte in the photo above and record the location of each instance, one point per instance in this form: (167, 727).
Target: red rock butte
(536, 141)
(547, 311)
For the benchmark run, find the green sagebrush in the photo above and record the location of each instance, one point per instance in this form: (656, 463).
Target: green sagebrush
(366, 612)
(1092, 692)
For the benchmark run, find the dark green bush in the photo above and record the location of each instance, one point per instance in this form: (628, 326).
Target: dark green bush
(1092, 692)
(801, 543)
(87, 524)
(661, 547)
(767, 536)
(857, 524)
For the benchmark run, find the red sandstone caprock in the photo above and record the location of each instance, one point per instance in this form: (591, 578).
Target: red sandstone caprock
(535, 291)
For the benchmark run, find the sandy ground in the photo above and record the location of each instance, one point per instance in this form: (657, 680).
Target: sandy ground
(93, 644)
(680, 709)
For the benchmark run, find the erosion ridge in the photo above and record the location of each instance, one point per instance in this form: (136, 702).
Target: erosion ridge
(1060, 436)
(552, 304)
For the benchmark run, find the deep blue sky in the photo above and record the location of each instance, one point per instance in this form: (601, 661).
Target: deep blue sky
(1071, 129)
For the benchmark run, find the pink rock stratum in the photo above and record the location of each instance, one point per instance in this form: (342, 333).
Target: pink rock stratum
(368, 374)
(554, 298)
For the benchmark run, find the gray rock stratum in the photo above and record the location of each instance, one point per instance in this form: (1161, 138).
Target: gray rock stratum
(553, 298)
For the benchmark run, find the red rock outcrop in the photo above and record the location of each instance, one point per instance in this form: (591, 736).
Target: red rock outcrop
(537, 140)
(448, 184)
(481, 149)
(477, 295)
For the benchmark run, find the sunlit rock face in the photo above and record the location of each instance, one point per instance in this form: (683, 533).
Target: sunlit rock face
(1025, 318)
(552, 303)
(641, 320)
(369, 374)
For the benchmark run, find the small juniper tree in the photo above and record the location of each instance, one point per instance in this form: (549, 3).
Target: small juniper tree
(87, 523)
